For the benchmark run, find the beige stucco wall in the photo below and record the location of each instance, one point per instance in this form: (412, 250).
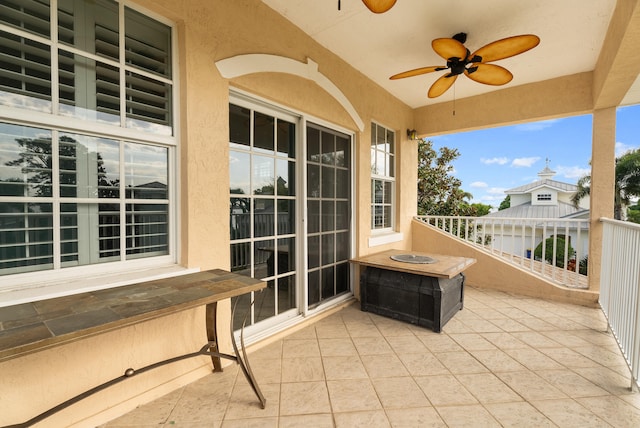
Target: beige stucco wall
(209, 31)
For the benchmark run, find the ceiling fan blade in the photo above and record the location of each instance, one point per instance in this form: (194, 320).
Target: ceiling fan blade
(379, 6)
(489, 74)
(505, 48)
(449, 48)
(441, 85)
(417, 72)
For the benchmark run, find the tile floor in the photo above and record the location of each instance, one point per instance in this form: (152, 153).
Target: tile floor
(502, 361)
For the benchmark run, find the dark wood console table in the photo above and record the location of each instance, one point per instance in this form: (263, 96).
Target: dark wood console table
(427, 294)
(35, 326)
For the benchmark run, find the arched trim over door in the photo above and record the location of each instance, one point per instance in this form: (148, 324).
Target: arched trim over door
(241, 65)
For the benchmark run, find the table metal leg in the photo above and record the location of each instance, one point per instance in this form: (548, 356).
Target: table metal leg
(212, 335)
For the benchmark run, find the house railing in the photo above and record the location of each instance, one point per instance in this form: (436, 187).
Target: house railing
(620, 288)
(556, 249)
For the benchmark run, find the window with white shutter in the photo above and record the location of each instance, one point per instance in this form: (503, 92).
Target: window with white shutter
(71, 193)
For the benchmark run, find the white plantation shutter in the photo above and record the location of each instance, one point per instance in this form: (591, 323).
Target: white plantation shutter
(76, 198)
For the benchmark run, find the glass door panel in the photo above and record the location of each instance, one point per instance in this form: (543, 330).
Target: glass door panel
(328, 214)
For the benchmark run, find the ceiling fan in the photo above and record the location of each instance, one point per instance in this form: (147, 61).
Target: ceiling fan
(474, 65)
(379, 6)
(376, 6)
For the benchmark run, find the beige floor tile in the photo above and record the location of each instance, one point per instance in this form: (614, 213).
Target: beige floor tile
(530, 386)
(270, 351)
(336, 368)
(334, 347)
(571, 383)
(399, 393)
(504, 340)
(372, 346)
(423, 364)
(243, 403)
(271, 422)
(568, 357)
(567, 338)
(456, 326)
(324, 420)
(378, 366)
(445, 390)
(304, 398)
(352, 395)
(422, 417)
(300, 348)
(520, 414)
(614, 410)
(155, 413)
(332, 331)
(472, 342)
(483, 326)
(406, 344)
(487, 388)
(497, 361)
(265, 370)
(535, 339)
(607, 379)
(568, 413)
(472, 416)
(389, 327)
(302, 369)
(602, 355)
(363, 330)
(533, 359)
(435, 342)
(368, 419)
(308, 332)
(509, 325)
(460, 362)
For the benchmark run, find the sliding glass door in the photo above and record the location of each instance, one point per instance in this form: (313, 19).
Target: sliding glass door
(289, 212)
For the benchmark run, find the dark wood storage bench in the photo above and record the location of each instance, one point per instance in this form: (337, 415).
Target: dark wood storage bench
(426, 294)
(35, 326)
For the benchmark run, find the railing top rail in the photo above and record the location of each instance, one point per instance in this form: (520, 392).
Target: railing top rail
(498, 219)
(627, 224)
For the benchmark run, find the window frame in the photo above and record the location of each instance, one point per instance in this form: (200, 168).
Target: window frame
(389, 157)
(29, 286)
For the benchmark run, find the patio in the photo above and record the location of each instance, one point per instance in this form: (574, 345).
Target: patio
(504, 360)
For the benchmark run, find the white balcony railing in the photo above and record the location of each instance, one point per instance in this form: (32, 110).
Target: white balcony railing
(556, 249)
(620, 288)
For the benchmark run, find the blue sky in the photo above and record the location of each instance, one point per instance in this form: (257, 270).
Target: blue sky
(494, 160)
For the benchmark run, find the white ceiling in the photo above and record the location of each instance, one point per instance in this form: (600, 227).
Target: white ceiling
(380, 45)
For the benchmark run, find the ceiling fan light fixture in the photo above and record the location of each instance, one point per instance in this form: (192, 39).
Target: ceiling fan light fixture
(379, 6)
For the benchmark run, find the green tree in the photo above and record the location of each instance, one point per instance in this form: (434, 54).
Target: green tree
(633, 213)
(481, 209)
(548, 251)
(627, 182)
(439, 192)
(506, 203)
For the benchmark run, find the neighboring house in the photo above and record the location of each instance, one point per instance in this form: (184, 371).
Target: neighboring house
(543, 201)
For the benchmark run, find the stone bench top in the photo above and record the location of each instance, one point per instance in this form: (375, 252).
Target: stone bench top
(34, 326)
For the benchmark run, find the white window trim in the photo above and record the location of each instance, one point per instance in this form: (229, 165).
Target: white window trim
(392, 179)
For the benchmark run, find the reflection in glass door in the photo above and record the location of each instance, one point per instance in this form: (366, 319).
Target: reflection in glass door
(329, 214)
(262, 173)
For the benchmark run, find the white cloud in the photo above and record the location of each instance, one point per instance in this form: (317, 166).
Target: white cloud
(496, 191)
(622, 148)
(572, 171)
(525, 162)
(536, 126)
(499, 161)
(479, 184)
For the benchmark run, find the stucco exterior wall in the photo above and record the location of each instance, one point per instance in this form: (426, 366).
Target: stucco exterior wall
(209, 31)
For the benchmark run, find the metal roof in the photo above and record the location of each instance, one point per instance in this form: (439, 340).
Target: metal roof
(557, 185)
